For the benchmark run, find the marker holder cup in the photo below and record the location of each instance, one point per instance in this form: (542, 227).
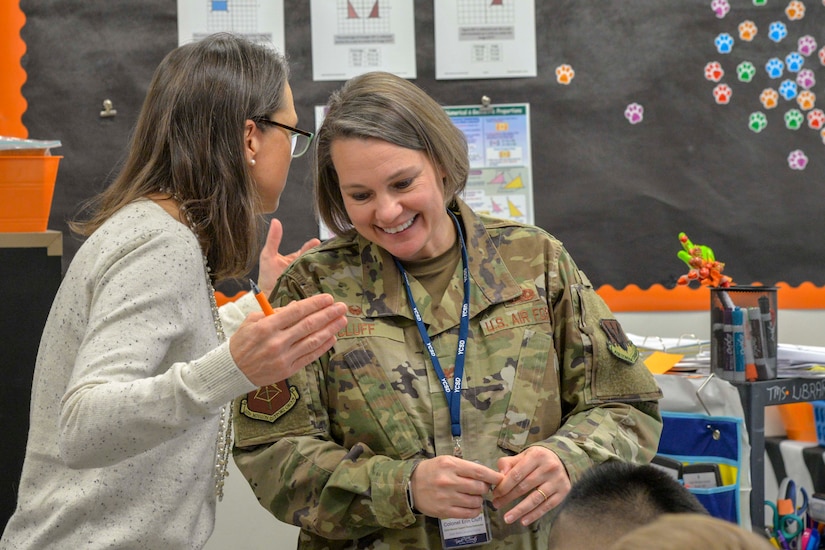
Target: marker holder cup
(743, 333)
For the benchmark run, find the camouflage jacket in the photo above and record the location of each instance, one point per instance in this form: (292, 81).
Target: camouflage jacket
(331, 450)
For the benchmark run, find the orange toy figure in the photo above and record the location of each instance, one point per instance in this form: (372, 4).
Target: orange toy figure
(703, 265)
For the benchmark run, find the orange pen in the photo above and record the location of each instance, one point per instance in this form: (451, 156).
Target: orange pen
(264, 303)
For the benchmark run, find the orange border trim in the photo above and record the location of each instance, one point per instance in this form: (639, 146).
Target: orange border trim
(682, 298)
(12, 48)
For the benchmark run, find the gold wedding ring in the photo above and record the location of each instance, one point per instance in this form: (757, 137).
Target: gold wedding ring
(541, 493)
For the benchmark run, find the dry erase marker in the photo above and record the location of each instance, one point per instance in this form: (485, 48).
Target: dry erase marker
(758, 341)
(727, 345)
(750, 360)
(770, 334)
(264, 303)
(738, 329)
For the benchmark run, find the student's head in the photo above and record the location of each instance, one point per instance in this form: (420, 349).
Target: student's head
(689, 532)
(383, 107)
(613, 498)
(200, 138)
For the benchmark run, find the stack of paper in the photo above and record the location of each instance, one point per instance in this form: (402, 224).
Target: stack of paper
(684, 354)
(795, 361)
(690, 354)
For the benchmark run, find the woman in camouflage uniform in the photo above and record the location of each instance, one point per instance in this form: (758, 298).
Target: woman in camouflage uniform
(479, 374)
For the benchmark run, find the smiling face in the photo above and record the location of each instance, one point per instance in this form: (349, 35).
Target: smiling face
(394, 197)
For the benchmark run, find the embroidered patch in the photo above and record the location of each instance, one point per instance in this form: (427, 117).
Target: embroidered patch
(527, 295)
(269, 403)
(617, 341)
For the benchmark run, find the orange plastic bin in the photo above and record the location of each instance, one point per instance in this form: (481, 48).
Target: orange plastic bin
(26, 191)
(798, 419)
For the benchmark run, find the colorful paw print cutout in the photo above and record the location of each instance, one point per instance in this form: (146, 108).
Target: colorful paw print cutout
(777, 31)
(745, 71)
(816, 119)
(797, 160)
(795, 10)
(722, 94)
(747, 30)
(723, 43)
(806, 100)
(634, 113)
(806, 45)
(774, 67)
(788, 89)
(769, 98)
(806, 79)
(714, 71)
(757, 121)
(564, 74)
(794, 119)
(720, 8)
(794, 61)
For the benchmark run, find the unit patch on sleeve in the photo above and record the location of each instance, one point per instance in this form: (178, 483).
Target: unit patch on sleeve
(617, 341)
(270, 402)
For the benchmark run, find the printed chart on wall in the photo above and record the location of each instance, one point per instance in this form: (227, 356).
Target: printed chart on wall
(485, 39)
(351, 37)
(498, 140)
(260, 21)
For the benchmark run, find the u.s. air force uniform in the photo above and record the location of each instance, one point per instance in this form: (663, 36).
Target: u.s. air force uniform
(332, 449)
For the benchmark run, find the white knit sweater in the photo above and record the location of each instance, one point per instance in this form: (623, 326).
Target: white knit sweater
(127, 391)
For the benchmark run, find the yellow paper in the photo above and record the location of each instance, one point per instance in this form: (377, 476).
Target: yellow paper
(660, 362)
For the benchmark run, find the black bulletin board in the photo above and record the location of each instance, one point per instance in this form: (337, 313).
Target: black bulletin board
(617, 194)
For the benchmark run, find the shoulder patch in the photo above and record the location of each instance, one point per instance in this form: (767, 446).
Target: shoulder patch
(617, 341)
(269, 403)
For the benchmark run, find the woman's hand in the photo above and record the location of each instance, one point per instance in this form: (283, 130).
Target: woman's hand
(536, 474)
(271, 263)
(271, 348)
(450, 487)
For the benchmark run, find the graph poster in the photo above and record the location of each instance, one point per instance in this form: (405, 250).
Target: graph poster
(485, 39)
(498, 139)
(260, 21)
(351, 37)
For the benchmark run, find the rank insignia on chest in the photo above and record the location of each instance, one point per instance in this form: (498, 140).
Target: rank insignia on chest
(617, 341)
(269, 403)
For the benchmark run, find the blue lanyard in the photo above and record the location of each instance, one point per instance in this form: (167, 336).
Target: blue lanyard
(453, 395)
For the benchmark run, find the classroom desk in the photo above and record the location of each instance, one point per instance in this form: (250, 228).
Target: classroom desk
(30, 273)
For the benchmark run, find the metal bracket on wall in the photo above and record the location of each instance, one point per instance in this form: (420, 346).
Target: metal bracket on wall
(486, 105)
(108, 109)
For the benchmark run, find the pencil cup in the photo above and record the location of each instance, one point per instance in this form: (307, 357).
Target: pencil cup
(743, 333)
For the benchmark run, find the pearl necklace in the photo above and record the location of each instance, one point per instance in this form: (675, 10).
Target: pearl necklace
(223, 443)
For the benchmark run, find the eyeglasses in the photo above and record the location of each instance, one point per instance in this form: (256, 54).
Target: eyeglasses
(300, 139)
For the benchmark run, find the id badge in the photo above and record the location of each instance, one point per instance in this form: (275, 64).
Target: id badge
(461, 533)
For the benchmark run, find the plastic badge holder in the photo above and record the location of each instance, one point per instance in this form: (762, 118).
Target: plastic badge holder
(743, 332)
